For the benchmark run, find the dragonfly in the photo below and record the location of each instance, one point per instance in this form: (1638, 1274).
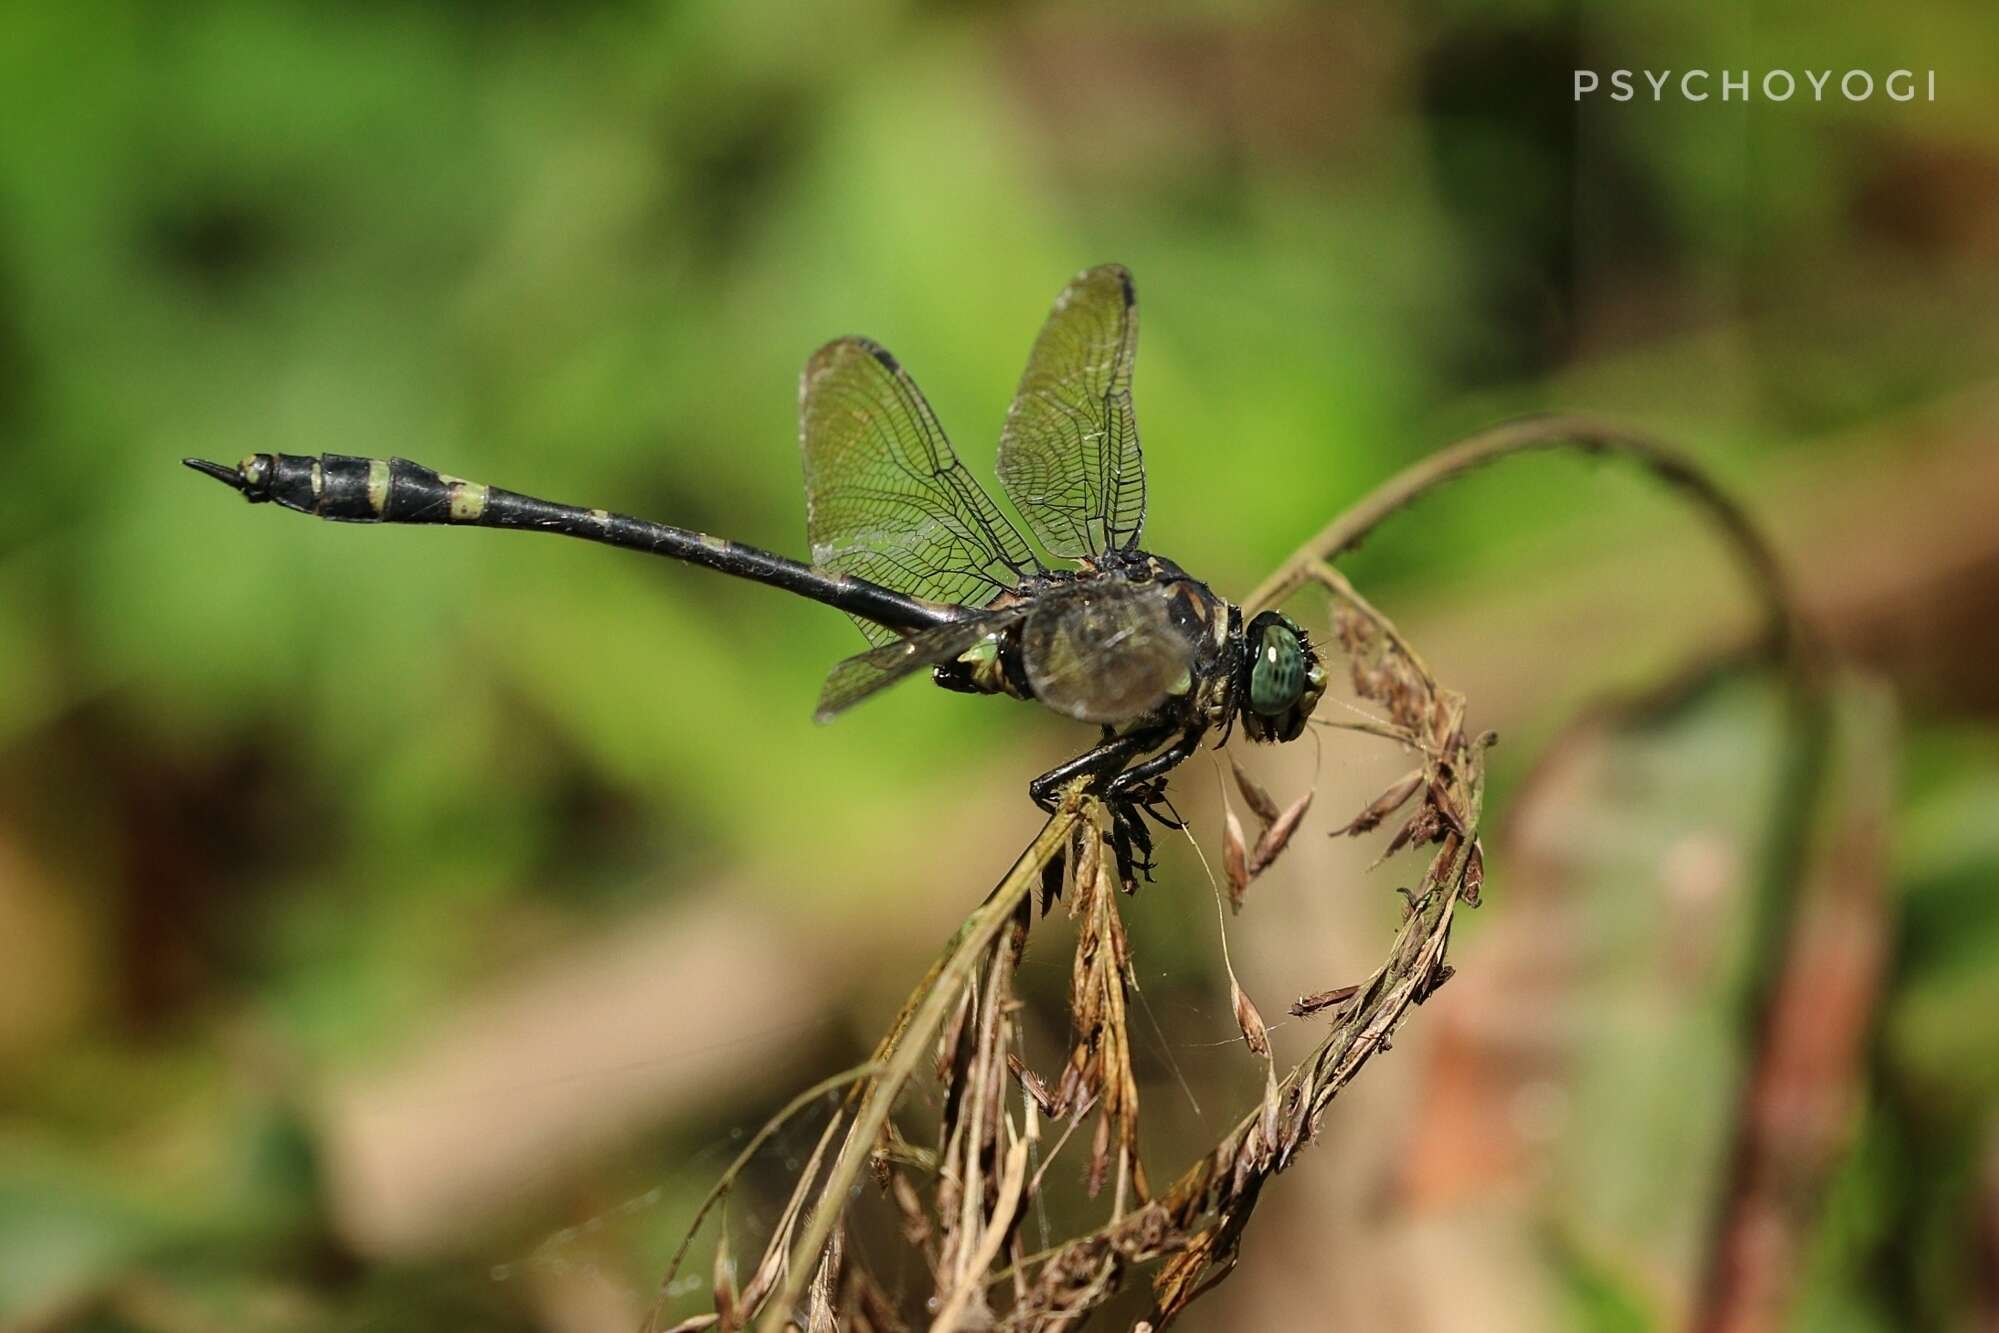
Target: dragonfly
(908, 543)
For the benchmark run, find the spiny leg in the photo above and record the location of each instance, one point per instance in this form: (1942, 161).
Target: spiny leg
(1140, 791)
(1129, 794)
(1143, 785)
(1131, 843)
(1129, 839)
(1099, 760)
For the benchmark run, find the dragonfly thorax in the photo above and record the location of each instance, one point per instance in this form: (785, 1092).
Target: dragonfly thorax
(1117, 643)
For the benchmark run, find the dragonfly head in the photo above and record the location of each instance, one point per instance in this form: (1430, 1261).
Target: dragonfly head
(1282, 678)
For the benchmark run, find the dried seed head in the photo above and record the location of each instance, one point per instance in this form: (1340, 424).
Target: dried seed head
(1355, 633)
(1384, 805)
(1474, 879)
(1088, 871)
(1100, 1158)
(1235, 858)
(700, 1323)
(1441, 801)
(724, 1285)
(1254, 1034)
(1278, 835)
(1423, 826)
(1254, 796)
(1307, 1005)
(1271, 1104)
(1034, 1086)
(1433, 982)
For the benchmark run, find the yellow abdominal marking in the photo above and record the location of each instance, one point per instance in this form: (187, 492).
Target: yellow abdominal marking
(378, 484)
(468, 501)
(603, 517)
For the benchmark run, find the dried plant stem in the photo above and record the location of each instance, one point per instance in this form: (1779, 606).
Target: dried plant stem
(940, 991)
(1546, 433)
(1801, 1088)
(991, 1238)
(728, 1178)
(1806, 743)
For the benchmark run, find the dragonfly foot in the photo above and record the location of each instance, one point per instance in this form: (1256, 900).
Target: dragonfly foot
(1131, 843)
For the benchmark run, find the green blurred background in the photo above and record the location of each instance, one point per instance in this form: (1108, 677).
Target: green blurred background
(400, 928)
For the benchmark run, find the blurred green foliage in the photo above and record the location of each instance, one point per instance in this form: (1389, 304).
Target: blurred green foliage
(271, 792)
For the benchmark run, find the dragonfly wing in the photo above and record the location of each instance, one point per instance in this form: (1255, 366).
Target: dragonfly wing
(883, 665)
(886, 499)
(1069, 455)
(1105, 651)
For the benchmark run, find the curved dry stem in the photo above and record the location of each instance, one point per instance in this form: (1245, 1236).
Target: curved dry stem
(1582, 434)
(1786, 637)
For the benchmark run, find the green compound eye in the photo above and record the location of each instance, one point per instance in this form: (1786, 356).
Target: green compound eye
(1278, 678)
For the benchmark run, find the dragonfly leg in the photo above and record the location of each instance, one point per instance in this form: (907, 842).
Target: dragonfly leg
(1140, 791)
(1127, 797)
(1143, 784)
(1108, 757)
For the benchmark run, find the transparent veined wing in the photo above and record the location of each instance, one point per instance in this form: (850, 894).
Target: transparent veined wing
(886, 499)
(1069, 455)
(883, 665)
(1105, 650)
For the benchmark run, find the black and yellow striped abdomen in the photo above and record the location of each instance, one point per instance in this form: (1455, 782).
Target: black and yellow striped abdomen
(350, 489)
(364, 490)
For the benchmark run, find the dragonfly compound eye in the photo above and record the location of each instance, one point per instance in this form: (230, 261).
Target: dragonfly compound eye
(1278, 678)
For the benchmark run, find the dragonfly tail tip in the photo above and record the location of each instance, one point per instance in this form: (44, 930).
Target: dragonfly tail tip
(228, 476)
